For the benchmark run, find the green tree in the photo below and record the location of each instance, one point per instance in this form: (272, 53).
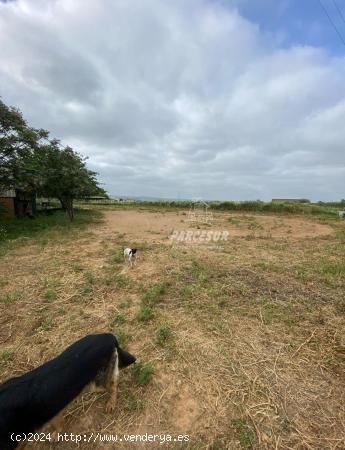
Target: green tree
(18, 147)
(29, 160)
(65, 175)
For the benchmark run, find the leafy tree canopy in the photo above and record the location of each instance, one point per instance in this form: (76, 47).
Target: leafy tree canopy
(29, 160)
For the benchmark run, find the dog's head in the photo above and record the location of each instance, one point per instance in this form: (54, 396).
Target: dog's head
(125, 358)
(134, 250)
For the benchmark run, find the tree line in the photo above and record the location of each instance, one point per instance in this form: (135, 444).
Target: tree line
(32, 161)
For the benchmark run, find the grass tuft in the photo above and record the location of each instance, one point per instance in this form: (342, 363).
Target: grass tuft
(117, 318)
(13, 297)
(142, 372)
(155, 294)
(164, 336)
(47, 324)
(145, 314)
(246, 434)
(123, 339)
(77, 267)
(89, 277)
(6, 356)
(50, 294)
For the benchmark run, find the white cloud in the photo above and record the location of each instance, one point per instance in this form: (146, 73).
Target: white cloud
(177, 98)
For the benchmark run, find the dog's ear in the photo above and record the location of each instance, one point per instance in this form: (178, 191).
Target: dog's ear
(134, 250)
(125, 358)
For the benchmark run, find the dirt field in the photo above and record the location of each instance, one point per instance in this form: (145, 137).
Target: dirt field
(245, 337)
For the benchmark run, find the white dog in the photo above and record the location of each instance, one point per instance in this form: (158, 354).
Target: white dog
(130, 255)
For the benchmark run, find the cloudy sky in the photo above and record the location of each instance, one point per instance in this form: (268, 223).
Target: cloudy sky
(218, 99)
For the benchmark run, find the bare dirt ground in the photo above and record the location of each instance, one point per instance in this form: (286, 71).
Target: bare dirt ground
(143, 225)
(245, 336)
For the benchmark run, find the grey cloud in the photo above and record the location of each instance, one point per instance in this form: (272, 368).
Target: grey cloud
(173, 98)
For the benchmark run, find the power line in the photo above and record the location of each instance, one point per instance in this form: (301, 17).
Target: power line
(332, 23)
(339, 11)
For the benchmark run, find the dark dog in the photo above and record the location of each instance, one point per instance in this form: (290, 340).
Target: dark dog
(31, 400)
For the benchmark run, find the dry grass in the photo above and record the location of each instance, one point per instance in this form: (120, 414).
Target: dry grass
(245, 339)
